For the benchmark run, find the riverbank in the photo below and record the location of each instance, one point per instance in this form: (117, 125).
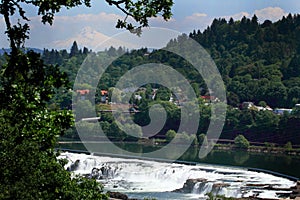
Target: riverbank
(260, 149)
(228, 145)
(267, 148)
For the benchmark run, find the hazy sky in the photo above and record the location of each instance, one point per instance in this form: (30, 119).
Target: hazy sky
(90, 25)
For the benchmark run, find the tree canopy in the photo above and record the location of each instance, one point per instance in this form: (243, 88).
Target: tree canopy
(29, 128)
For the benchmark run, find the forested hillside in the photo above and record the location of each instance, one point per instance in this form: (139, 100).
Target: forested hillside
(259, 63)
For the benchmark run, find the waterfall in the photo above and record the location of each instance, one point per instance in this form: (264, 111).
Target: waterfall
(206, 188)
(202, 188)
(135, 175)
(196, 188)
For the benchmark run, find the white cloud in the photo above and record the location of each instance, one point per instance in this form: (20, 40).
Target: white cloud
(195, 21)
(271, 13)
(196, 16)
(106, 17)
(66, 27)
(237, 16)
(202, 20)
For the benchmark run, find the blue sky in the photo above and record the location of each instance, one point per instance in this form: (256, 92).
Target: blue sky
(91, 25)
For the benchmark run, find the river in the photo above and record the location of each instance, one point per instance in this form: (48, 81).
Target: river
(217, 173)
(284, 164)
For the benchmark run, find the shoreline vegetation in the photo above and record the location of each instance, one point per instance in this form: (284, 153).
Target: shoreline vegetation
(267, 148)
(262, 149)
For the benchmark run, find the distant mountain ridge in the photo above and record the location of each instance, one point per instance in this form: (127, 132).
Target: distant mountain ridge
(7, 50)
(90, 38)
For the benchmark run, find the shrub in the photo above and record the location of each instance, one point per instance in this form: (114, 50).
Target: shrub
(241, 142)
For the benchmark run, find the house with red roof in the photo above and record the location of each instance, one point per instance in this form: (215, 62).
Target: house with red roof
(83, 93)
(104, 96)
(209, 99)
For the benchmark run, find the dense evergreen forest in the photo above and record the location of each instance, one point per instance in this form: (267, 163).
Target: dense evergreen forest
(259, 63)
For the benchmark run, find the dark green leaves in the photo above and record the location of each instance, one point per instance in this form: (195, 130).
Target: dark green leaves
(141, 11)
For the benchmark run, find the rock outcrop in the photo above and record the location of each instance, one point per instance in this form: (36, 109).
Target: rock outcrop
(295, 191)
(189, 185)
(217, 187)
(74, 166)
(117, 195)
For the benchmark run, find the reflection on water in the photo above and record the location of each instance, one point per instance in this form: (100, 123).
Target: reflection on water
(279, 163)
(241, 157)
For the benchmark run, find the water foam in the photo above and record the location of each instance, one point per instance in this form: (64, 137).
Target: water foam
(140, 176)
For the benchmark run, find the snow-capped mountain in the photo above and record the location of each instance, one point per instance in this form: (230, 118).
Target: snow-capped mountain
(92, 39)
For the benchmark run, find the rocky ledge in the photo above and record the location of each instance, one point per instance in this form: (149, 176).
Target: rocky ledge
(118, 196)
(295, 191)
(189, 185)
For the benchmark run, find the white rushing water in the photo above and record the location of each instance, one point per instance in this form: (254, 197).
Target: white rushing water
(142, 178)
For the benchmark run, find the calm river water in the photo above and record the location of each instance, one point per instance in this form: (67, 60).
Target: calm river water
(289, 165)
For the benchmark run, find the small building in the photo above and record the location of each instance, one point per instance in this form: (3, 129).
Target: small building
(259, 108)
(281, 111)
(104, 96)
(250, 105)
(209, 99)
(83, 94)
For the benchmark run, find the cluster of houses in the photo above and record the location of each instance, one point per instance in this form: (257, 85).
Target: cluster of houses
(83, 95)
(278, 111)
